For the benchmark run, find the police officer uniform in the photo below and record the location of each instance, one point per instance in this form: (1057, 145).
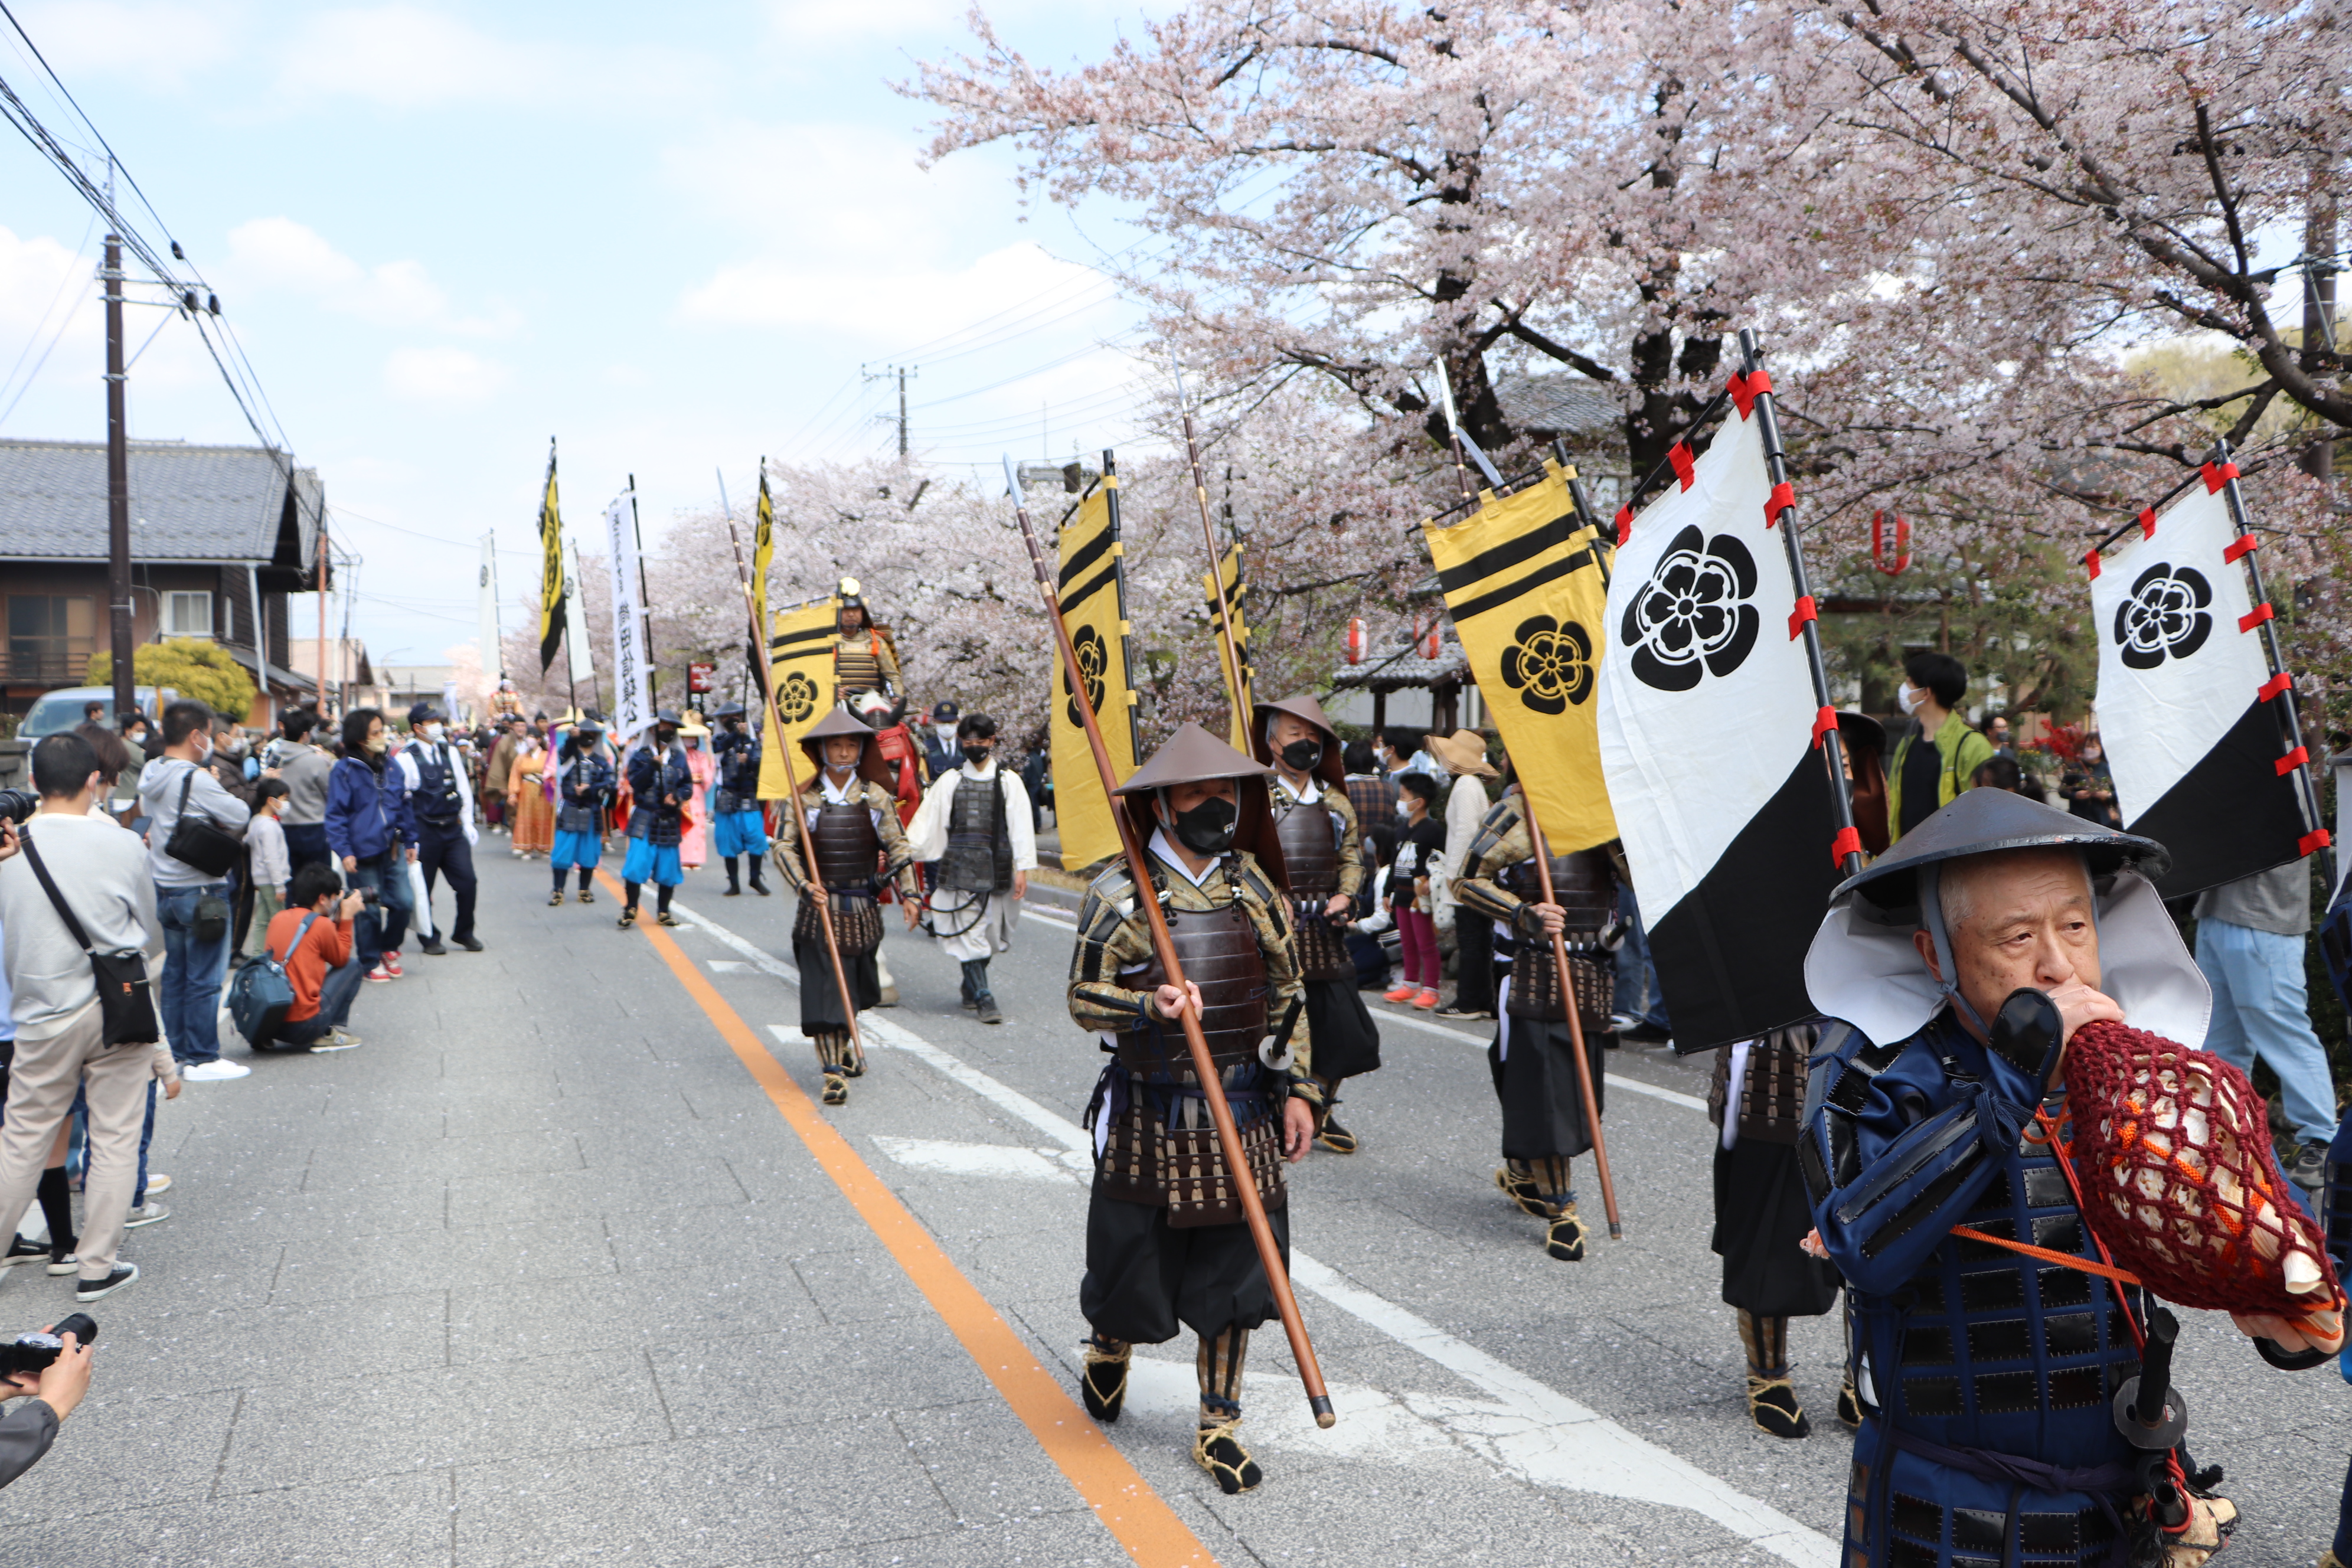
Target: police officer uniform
(441, 795)
(737, 827)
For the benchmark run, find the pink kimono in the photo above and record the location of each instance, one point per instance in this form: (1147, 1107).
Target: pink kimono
(694, 844)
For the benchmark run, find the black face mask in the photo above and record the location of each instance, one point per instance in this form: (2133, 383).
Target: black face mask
(1300, 756)
(1208, 827)
(665, 738)
(976, 755)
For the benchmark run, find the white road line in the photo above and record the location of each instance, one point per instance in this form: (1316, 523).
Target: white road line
(1615, 1081)
(1049, 920)
(998, 1159)
(731, 966)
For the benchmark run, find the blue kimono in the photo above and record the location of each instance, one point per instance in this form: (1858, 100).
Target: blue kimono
(736, 825)
(1989, 1376)
(587, 788)
(655, 828)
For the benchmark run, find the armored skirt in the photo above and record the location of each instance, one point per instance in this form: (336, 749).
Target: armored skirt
(1346, 1041)
(1761, 1213)
(857, 926)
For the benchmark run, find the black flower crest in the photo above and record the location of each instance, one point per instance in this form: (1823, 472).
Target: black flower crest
(1549, 665)
(1694, 617)
(795, 696)
(2165, 616)
(1094, 658)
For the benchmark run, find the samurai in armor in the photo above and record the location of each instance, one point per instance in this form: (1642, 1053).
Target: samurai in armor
(1762, 1210)
(853, 822)
(1324, 853)
(737, 828)
(863, 658)
(1167, 1245)
(886, 715)
(1533, 1057)
(975, 823)
(1956, 970)
(584, 788)
(661, 788)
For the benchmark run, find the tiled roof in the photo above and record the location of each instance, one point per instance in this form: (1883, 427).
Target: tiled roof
(1559, 405)
(1398, 665)
(187, 502)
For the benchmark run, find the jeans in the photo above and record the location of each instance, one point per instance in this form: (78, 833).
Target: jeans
(1638, 996)
(193, 970)
(335, 996)
(381, 926)
(306, 843)
(2259, 1009)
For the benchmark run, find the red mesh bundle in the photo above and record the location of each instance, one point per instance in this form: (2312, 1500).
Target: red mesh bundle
(2173, 1150)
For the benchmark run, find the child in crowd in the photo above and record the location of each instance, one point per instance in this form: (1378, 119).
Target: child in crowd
(1418, 850)
(265, 862)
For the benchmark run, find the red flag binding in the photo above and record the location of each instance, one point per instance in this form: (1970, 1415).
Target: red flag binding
(1783, 497)
(2217, 475)
(1745, 389)
(1823, 722)
(1847, 842)
(1625, 525)
(2092, 563)
(2245, 545)
(2148, 522)
(2254, 616)
(2293, 759)
(1680, 456)
(2273, 686)
(1799, 615)
(2317, 838)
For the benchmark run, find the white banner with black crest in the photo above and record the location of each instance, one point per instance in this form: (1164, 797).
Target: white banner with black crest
(2188, 706)
(1707, 740)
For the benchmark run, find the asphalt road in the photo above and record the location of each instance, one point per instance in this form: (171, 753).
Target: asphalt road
(564, 1265)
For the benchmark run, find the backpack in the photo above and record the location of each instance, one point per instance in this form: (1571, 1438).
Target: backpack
(262, 992)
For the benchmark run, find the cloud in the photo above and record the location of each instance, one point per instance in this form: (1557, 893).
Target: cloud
(904, 304)
(159, 45)
(404, 56)
(447, 375)
(279, 253)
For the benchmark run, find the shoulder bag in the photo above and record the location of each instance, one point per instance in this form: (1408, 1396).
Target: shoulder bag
(126, 997)
(199, 841)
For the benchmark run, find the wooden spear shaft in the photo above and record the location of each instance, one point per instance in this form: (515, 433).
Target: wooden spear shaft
(1584, 1089)
(1212, 1088)
(1216, 562)
(816, 887)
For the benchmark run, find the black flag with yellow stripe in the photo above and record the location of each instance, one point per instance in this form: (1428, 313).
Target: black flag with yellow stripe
(550, 575)
(1527, 584)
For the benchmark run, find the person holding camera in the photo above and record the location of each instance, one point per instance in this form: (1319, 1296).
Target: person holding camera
(195, 832)
(311, 936)
(69, 1036)
(26, 1432)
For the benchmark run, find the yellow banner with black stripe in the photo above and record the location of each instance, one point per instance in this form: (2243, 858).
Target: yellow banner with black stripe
(1528, 590)
(1229, 591)
(1093, 588)
(800, 661)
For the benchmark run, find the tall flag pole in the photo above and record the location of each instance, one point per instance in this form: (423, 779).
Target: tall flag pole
(764, 554)
(486, 610)
(1524, 606)
(1212, 1082)
(1713, 654)
(1092, 589)
(551, 618)
(1224, 601)
(2197, 710)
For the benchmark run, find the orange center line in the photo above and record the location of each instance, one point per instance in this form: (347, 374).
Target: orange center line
(1137, 1517)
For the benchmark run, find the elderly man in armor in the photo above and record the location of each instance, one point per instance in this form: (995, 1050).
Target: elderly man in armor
(1167, 1246)
(975, 822)
(853, 822)
(1956, 970)
(737, 828)
(1533, 1057)
(661, 788)
(1323, 849)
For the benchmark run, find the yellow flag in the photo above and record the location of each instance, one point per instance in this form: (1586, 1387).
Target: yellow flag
(1093, 589)
(550, 575)
(1528, 593)
(764, 547)
(800, 660)
(1236, 597)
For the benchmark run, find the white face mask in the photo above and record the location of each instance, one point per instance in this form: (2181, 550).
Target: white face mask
(1912, 697)
(433, 734)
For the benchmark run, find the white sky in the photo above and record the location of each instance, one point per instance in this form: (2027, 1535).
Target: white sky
(670, 239)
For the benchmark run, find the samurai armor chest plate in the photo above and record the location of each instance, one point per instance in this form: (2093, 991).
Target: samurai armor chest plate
(1580, 885)
(572, 817)
(857, 922)
(1219, 953)
(849, 849)
(979, 857)
(1771, 1107)
(1183, 1169)
(1310, 849)
(856, 666)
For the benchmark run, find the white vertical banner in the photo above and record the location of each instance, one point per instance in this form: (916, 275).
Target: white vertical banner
(632, 697)
(494, 661)
(575, 635)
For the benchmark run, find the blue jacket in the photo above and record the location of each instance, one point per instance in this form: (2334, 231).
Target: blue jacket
(652, 776)
(367, 810)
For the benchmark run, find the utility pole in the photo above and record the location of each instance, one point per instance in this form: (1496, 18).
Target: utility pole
(117, 488)
(2319, 345)
(901, 372)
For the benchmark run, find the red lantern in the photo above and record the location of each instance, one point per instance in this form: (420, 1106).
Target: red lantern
(1356, 640)
(1902, 558)
(1429, 640)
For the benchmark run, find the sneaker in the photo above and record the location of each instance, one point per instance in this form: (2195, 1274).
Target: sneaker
(147, 1212)
(379, 974)
(389, 964)
(470, 944)
(432, 948)
(338, 1041)
(988, 1013)
(158, 1183)
(888, 997)
(213, 1071)
(1426, 1002)
(98, 1289)
(68, 1264)
(1455, 1010)
(1401, 994)
(23, 1251)
(2309, 1168)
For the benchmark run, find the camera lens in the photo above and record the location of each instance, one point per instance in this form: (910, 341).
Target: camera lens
(16, 804)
